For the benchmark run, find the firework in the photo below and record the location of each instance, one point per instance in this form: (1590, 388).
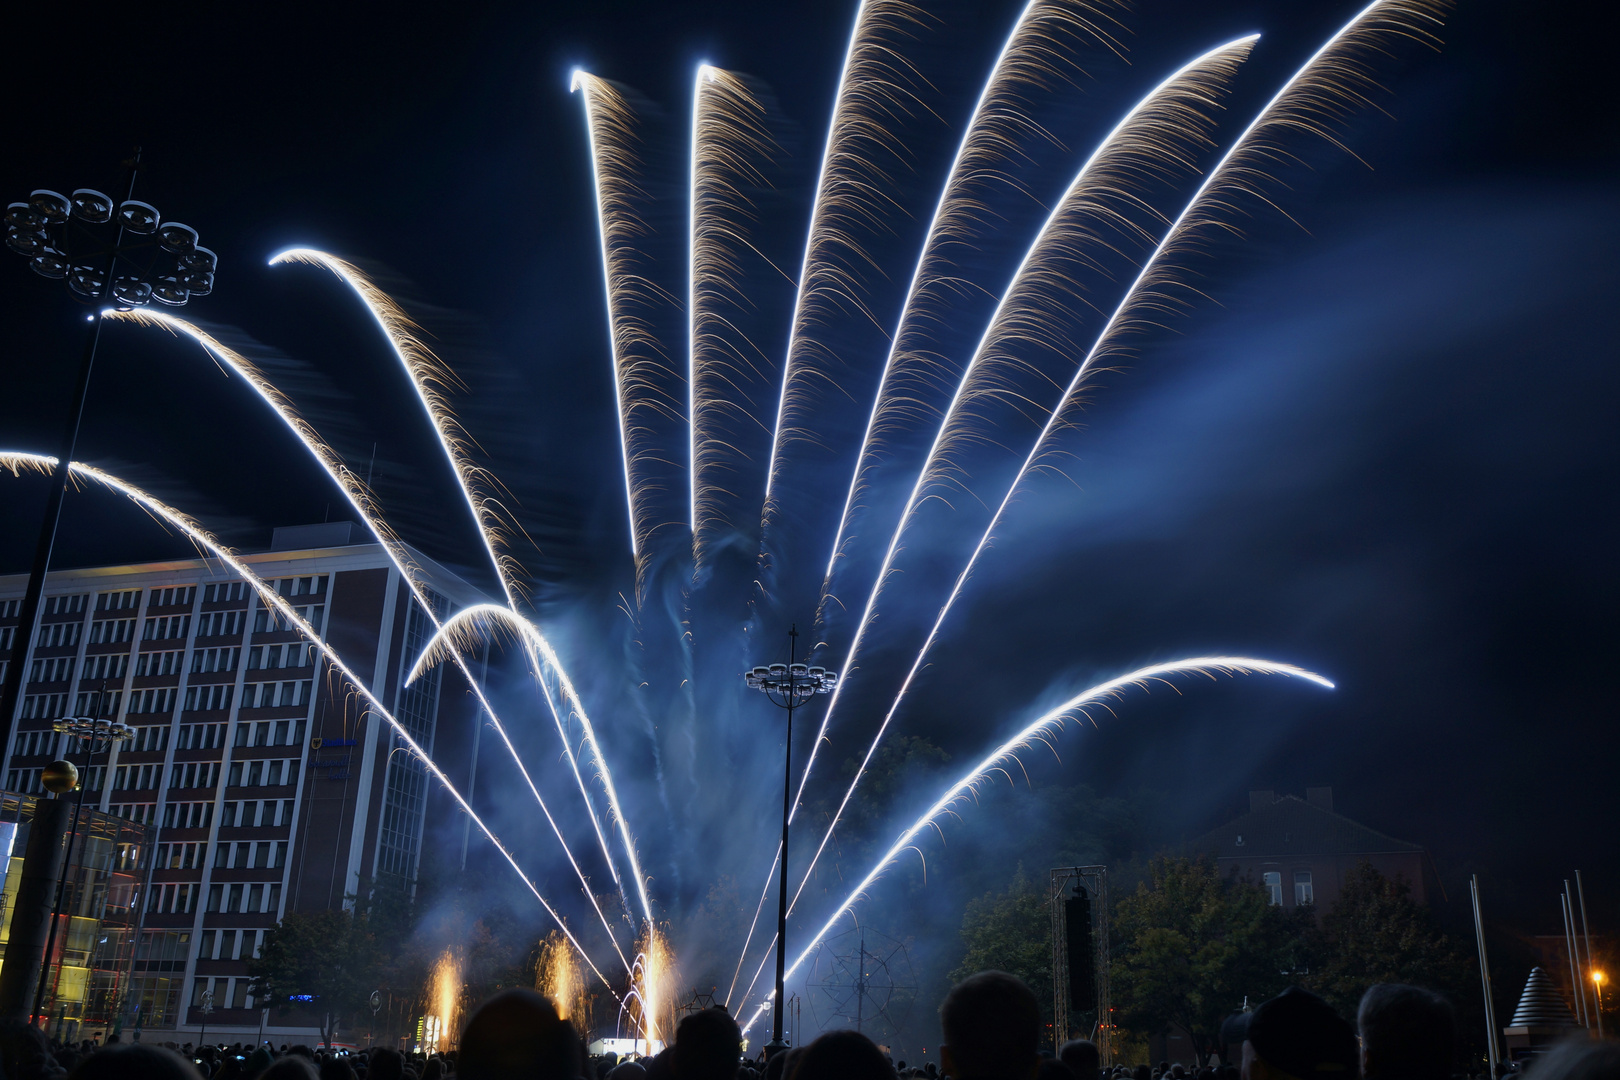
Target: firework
(461, 629)
(1042, 729)
(1039, 51)
(729, 142)
(443, 1005)
(651, 1003)
(874, 86)
(1157, 137)
(17, 461)
(557, 975)
(639, 368)
(361, 500)
(1316, 92)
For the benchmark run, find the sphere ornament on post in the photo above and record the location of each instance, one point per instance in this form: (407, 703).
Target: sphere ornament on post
(787, 685)
(59, 777)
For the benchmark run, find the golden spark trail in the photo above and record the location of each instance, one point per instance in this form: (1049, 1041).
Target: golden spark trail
(1314, 96)
(461, 628)
(1035, 55)
(1042, 729)
(430, 379)
(444, 1002)
(1157, 139)
(729, 141)
(874, 87)
(557, 975)
(15, 461)
(360, 498)
(639, 370)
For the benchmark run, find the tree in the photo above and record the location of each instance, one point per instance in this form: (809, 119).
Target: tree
(1011, 931)
(1190, 946)
(326, 961)
(1376, 933)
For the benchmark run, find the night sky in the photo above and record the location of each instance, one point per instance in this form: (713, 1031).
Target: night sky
(1383, 449)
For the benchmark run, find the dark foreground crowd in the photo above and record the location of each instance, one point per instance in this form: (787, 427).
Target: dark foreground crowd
(990, 1023)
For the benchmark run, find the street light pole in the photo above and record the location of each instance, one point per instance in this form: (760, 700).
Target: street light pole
(40, 230)
(786, 685)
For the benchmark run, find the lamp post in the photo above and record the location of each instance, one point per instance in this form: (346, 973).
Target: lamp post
(1597, 992)
(111, 254)
(207, 1007)
(93, 730)
(786, 685)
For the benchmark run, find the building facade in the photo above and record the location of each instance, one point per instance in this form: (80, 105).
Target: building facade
(1300, 850)
(264, 783)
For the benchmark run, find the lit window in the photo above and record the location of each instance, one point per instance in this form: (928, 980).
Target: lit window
(1271, 880)
(1303, 892)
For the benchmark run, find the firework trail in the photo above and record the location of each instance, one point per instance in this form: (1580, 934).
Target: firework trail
(1043, 729)
(463, 629)
(360, 498)
(639, 370)
(16, 461)
(1036, 54)
(729, 143)
(430, 380)
(1320, 92)
(1156, 140)
(874, 88)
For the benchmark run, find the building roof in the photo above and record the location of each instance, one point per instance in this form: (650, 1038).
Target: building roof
(1291, 826)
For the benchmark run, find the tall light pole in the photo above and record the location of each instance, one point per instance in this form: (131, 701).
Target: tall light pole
(119, 255)
(786, 685)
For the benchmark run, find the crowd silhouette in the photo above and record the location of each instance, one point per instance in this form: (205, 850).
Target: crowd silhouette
(990, 1023)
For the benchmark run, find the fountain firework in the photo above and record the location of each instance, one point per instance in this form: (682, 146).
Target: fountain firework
(443, 1011)
(928, 393)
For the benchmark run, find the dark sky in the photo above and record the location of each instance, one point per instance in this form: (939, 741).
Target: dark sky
(1384, 449)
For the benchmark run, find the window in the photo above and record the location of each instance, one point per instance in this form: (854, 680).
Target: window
(58, 635)
(119, 601)
(235, 901)
(221, 624)
(205, 946)
(210, 698)
(281, 855)
(180, 596)
(165, 627)
(158, 663)
(215, 659)
(225, 591)
(1303, 892)
(214, 894)
(273, 774)
(273, 905)
(105, 666)
(1271, 881)
(261, 855)
(96, 702)
(108, 631)
(160, 700)
(250, 812)
(227, 815)
(255, 900)
(65, 605)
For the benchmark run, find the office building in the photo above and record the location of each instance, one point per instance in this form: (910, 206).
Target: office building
(264, 785)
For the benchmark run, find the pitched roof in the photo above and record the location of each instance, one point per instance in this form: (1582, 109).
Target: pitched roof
(1292, 826)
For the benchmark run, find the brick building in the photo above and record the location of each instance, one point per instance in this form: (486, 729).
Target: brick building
(1300, 849)
(264, 786)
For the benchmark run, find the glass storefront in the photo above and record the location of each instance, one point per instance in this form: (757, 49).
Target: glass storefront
(91, 980)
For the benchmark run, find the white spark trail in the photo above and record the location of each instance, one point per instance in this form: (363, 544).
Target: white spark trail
(1042, 728)
(15, 461)
(1035, 53)
(469, 621)
(1156, 138)
(429, 378)
(874, 85)
(1331, 83)
(361, 500)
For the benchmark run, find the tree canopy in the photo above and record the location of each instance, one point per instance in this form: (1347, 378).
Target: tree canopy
(325, 961)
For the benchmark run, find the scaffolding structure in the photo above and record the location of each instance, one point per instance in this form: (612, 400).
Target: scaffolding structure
(1094, 881)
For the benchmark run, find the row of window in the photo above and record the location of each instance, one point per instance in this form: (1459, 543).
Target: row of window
(56, 635)
(55, 669)
(224, 591)
(205, 774)
(106, 666)
(253, 813)
(119, 601)
(220, 659)
(256, 814)
(199, 736)
(241, 854)
(192, 815)
(27, 781)
(156, 700)
(111, 631)
(1304, 891)
(277, 695)
(38, 706)
(225, 658)
(228, 945)
(36, 743)
(211, 698)
(221, 623)
(65, 605)
(228, 993)
(98, 702)
(165, 627)
(180, 595)
(159, 663)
